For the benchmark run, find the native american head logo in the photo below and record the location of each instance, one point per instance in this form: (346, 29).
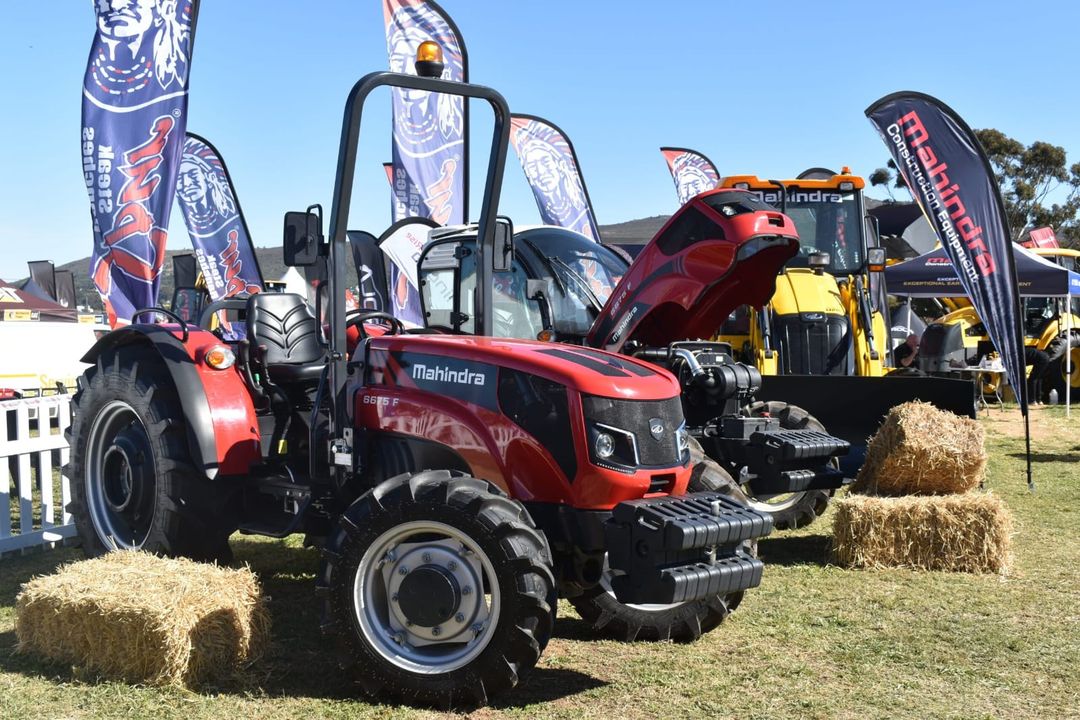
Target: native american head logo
(424, 122)
(549, 166)
(203, 189)
(693, 175)
(143, 51)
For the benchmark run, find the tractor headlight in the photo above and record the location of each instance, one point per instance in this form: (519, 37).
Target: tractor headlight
(613, 447)
(605, 445)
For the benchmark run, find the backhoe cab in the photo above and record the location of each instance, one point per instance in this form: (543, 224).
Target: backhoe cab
(826, 315)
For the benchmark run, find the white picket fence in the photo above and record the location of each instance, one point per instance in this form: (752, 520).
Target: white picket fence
(33, 494)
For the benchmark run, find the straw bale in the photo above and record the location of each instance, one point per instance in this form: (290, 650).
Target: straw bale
(958, 533)
(141, 618)
(921, 450)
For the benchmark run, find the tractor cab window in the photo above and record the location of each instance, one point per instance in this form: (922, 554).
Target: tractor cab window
(830, 222)
(448, 275)
(582, 274)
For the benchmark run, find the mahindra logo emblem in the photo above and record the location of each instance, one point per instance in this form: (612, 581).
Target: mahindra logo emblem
(656, 428)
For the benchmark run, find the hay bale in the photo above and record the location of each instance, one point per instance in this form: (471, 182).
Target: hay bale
(141, 618)
(958, 533)
(921, 450)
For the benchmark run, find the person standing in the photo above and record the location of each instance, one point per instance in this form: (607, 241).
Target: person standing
(1038, 360)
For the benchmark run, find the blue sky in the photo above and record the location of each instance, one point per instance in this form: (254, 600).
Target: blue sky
(766, 88)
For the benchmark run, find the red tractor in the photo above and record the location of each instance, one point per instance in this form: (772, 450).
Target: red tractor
(457, 484)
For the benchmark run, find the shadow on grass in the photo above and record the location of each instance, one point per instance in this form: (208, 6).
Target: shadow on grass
(795, 550)
(547, 684)
(1038, 457)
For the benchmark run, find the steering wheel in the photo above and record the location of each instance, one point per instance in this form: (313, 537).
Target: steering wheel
(359, 317)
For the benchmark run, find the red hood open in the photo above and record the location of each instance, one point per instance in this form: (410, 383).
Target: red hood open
(721, 250)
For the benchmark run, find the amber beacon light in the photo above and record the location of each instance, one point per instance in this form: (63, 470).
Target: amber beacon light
(429, 59)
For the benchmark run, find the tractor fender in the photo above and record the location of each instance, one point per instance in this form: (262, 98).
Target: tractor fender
(219, 416)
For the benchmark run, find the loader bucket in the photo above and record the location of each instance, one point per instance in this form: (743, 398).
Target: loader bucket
(852, 407)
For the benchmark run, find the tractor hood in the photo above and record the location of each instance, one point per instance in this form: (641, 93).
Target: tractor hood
(458, 364)
(721, 250)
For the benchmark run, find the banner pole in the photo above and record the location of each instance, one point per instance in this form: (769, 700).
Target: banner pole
(1027, 440)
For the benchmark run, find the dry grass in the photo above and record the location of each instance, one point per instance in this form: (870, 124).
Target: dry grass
(920, 450)
(956, 533)
(815, 641)
(140, 618)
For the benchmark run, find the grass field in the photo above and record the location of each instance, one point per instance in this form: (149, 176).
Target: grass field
(813, 641)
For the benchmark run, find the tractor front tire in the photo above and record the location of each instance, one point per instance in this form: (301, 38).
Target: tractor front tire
(134, 484)
(684, 622)
(792, 510)
(439, 590)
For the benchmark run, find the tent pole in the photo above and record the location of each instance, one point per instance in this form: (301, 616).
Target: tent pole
(1068, 356)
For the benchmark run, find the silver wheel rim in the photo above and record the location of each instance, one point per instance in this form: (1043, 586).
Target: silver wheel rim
(605, 583)
(438, 649)
(775, 503)
(108, 523)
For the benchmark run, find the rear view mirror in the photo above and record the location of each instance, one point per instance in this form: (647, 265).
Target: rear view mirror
(302, 238)
(875, 259)
(504, 245)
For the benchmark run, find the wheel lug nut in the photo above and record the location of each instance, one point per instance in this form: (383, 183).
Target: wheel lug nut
(466, 590)
(403, 570)
(451, 566)
(436, 631)
(460, 617)
(394, 597)
(426, 557)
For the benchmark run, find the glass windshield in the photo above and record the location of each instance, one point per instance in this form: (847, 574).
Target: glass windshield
(444, 278)
(828, 221)
(585, 274)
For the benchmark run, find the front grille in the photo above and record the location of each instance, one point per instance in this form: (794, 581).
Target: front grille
(635, 416)
(813, 344)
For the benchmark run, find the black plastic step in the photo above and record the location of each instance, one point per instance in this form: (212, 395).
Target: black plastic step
(695, 581)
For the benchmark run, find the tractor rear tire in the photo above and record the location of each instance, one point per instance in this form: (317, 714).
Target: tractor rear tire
(439, 590)
(684, 622)
(793, 510)
(134, 484)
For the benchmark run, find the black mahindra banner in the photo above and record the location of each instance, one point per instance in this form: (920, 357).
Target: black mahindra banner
(185, 270)
(44, 275)
(65, 288)
(370, 271)
(950, 177)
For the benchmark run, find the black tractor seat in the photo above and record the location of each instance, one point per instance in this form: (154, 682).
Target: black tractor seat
(284, 339)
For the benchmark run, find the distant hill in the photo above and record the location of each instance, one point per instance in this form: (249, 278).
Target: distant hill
(633, 231)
